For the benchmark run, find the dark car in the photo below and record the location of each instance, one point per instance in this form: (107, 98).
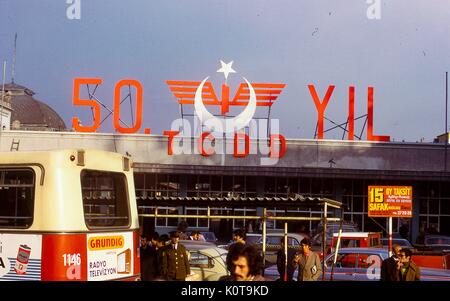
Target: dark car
(362, 264)
(435, 242)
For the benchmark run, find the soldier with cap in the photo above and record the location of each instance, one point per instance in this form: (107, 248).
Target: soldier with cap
(175, 262)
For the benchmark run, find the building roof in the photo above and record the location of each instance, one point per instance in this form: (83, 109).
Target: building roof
(17, 88)
(30, 112)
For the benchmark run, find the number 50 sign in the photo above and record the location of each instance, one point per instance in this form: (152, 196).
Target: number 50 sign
(96, 107)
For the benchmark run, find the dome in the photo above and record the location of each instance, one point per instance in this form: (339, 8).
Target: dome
(29, 113)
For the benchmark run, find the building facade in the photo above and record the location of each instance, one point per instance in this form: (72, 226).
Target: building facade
(339, 170)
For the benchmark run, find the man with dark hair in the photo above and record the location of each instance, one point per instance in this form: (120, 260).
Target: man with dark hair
(145, 255)
(245, 264)
(389, 266)
(308, 263)
(407, 270)
(239, 240)
(149, 258)
(175, 262)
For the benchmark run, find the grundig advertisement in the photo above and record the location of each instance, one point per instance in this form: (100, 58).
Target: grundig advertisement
(109, 255)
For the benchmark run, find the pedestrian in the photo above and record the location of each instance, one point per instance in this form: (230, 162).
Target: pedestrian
(175, 260)
(308, 262)
(407, 269)
(389, 266)
(154, 264)
(145, 255)
(245, 264)
(182, 227)
(249, 227)
(281, 262)
(162, 245)
(239, 237)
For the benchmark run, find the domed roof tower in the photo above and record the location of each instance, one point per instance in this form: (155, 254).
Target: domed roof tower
(29, 113)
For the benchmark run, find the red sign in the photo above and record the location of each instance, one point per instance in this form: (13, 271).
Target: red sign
(390, 201)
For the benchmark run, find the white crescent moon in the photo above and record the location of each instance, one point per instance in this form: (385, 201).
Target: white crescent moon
(228, 125)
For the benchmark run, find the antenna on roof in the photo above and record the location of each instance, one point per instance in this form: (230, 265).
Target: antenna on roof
(14, 59)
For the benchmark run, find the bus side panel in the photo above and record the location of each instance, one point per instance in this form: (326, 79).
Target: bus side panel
(64, 257)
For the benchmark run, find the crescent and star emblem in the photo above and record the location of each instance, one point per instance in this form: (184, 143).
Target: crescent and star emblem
(228, 125)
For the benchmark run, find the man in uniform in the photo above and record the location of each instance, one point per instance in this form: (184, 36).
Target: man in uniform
(175, 262)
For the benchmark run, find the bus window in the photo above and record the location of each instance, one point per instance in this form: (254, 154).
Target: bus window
(16, 198)
(105, 199)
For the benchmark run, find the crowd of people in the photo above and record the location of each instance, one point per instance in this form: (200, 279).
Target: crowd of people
(165, 258)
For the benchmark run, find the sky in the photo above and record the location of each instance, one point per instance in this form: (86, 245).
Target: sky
(401, 49)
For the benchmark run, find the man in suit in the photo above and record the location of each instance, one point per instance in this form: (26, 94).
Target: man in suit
(308, 263)
(408, 270)
(149, 260)
(389, 266)
(175, 262)
(281, 263)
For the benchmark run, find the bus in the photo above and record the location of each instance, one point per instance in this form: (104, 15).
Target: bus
(68, 215)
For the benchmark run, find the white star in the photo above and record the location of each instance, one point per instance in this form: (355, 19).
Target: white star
(226, 68)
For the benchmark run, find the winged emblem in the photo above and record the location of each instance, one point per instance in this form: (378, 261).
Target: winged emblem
(184, 92)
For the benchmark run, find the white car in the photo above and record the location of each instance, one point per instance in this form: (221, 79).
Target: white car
(207, 261)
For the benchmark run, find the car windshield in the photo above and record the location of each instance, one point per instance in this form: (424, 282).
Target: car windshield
(252, 239)
(209, 236)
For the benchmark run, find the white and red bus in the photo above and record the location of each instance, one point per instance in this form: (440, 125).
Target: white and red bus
(68, 215)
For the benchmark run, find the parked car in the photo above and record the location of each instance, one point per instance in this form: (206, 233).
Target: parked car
(404, 243)
(206, 260)
(434, 242)
(332, 227)
(362, 264)
(357, 240)
(273, 244)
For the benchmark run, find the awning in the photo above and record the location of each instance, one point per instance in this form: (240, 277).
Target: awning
(298, 201)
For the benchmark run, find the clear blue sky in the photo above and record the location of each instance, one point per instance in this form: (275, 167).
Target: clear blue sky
(404, 55)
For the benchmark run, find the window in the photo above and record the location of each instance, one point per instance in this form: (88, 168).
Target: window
(240, 223)
(366, 261)
(200, 260)
(197, 222)
(343, 261)
(350, 243)
(105, 199)
(16, 198)
(251, 183)
(165, 221)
